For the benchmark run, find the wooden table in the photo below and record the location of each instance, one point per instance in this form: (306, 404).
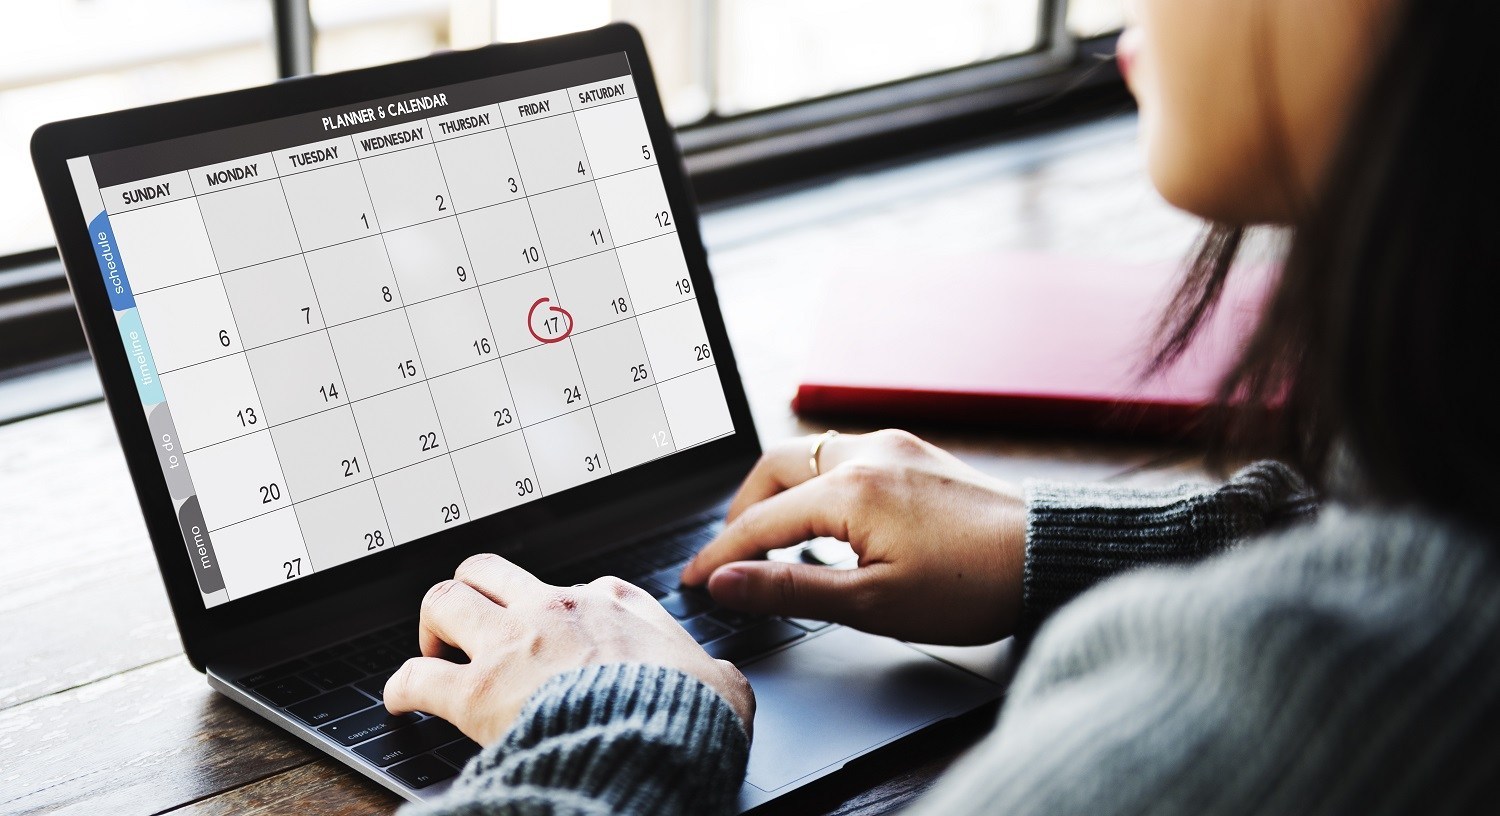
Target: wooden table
(100, 712)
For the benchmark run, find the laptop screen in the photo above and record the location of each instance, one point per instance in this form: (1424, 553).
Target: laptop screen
(354, 328)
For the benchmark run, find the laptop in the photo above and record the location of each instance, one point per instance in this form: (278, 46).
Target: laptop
(355, 328)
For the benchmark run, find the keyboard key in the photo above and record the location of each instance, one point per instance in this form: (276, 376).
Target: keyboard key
(687, 603)
(669, 578)
(408, 742)
(751, 642)
(282, 670)
(367, 724)
(377, 659)
(332, 675)
(375, 686)
(703, 630)
(286, 691)
(810, 625)
(459, 753)
(422, 771)
(736, 620)
(329, 707)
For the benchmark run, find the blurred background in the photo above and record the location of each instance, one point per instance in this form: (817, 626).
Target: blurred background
(717, 61)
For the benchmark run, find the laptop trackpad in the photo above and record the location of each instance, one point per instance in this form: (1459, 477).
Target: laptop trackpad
(837, 696)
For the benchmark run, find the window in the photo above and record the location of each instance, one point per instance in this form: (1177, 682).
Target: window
(66, 58)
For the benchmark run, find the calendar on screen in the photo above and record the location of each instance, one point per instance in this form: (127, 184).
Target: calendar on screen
(354, 328)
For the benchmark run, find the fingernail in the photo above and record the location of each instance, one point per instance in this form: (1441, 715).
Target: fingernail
(728, 585)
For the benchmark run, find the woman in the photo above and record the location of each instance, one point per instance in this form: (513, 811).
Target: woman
(1267, 652)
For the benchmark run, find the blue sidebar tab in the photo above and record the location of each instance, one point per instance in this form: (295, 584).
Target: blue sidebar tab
(141, 363)
(110, 264)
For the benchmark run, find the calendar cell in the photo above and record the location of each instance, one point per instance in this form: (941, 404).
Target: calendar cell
(189, 323)
(452, 332)
(550, 154)
(593, 290)
(508, 304)
(615, 137)
(613, 360)
(480, 169)
(474, 404)
(407, 187)
(567, 451)
(262, 553)
(354, 280)
(330, 205)
(273, 301)
(237, 480)
(213, 402)
(545, 382)
(696, 407)
(570, 223)
(399, 429)
(297, 377)
(421, 500)
(496, 475)
(164, 245)
(656, 273)
(430, 260)
(249, 225)
(321, 453)
(342, 526)
(376, 354)
(502, 241)
(634, 428)
(676, 340)
(636, 205)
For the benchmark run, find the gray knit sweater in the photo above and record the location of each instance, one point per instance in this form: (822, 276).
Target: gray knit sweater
(1255, 660)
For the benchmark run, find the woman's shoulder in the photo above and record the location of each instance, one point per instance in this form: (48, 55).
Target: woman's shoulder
(1350, 592)
(1348, 663)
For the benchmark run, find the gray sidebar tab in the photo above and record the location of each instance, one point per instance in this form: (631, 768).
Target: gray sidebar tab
(169, 451)
(200, 548)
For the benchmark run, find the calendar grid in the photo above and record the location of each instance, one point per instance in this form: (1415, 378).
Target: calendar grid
(489, 321)
(239, 336)
(426, 380)
(547, 265)
(385, 523)
(424, 217)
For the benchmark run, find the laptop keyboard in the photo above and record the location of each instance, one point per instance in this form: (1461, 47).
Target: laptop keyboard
(339, 690)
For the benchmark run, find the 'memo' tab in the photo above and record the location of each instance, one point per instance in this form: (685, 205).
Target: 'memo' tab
(146, 192)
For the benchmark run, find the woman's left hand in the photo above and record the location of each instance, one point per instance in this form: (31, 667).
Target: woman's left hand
(518, 632)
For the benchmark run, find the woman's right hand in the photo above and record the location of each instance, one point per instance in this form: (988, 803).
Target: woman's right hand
(940, 545)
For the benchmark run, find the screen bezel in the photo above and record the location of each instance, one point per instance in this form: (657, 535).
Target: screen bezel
(205, 628)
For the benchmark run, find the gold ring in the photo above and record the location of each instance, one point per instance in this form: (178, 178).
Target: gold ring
(817, 448)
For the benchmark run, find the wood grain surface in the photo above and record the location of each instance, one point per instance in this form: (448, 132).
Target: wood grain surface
(100, 713)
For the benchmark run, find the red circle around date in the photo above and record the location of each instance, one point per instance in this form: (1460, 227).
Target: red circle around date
(531, 326)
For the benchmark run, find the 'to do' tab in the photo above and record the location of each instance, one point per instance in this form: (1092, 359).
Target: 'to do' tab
(233, 173)
(146, 192)
(540, 106)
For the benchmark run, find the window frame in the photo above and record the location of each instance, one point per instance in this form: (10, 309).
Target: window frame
(1062, 79)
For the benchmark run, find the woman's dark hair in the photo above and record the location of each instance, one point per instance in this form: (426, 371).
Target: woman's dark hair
(1381, 338)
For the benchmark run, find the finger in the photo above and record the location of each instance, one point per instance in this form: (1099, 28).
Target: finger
(456, 614)
(426, 684)
(786, 465)
(796, 590)
(499, 579)
(808, 510)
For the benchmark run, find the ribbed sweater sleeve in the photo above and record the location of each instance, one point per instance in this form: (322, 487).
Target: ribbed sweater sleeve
(1080, 534)
(605, 739)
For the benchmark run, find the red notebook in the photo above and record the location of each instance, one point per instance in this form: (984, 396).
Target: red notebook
(1017, 340)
